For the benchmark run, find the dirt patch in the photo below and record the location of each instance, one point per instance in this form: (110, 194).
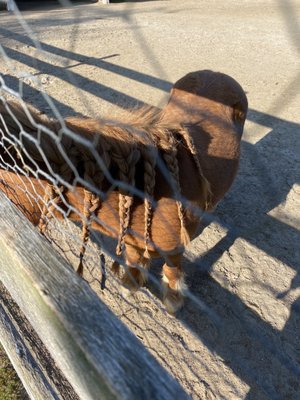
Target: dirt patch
(238, 335)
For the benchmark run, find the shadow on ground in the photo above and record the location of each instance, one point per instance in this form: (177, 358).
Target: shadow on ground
(266, 359)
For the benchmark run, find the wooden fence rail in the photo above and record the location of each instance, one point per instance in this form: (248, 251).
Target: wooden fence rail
(32, 375)
(98, 355)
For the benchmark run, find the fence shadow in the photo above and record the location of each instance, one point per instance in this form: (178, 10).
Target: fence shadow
(265, 358)
(85, 84)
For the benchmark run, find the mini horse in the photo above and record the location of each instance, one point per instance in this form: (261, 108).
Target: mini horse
(142, 180)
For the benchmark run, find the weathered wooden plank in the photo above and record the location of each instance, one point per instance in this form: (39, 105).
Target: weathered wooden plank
(29, 372)
(99, 356)
(30, 358)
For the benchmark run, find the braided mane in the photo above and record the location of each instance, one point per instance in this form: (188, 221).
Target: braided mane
(139, 139)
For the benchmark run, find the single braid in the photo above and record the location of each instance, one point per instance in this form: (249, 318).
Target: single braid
(125, 203)
(48, 195)
(52, 198)
(125, 156)
(150, 158)
(90, 204)
(53, 193)
(170, 157)
(192, 148)
(126, 199)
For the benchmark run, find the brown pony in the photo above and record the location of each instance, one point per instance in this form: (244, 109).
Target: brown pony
(144, 180)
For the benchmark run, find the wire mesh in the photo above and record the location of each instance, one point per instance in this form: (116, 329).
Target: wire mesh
(238, 333)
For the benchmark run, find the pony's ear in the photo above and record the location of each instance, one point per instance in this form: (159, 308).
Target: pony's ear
(240, 109)
(239, 114)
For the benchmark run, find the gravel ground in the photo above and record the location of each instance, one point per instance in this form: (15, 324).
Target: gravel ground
(238, 336)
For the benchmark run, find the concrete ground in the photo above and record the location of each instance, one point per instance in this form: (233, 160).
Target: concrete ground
(238, 336)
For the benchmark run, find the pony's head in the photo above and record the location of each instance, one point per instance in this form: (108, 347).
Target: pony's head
(208, 96)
